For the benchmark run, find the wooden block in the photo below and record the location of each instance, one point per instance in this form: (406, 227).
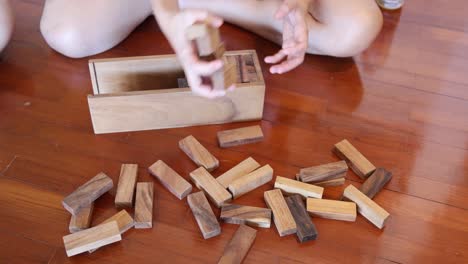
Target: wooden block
(87, 193)
(238, 171)
(182, 83)
(375, 182)
(282, 217)
(215, 191)
(289, 186)
(91, 238)
(170, 179)
(203, 214)
(332, 209)
(82, 220)
(366, 207)
(305, 228)
(323, 172)
(248, 215)
(206, 37)
(239, 246)
(251, 181)
(126, 186)
(235, 60)
(144, 205)
(224, 77)
(240, 136)
(358, 163)
(329, 183)
(249, 72)
(198, 153)
(124, 222)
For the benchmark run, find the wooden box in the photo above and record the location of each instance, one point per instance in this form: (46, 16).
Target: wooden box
(139, 93)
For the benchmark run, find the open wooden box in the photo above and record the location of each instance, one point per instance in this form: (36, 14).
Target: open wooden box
(139, 93)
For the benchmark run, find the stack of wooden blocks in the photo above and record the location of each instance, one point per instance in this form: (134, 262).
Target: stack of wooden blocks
(285, 203)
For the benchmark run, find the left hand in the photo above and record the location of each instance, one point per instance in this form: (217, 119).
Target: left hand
(295, 36)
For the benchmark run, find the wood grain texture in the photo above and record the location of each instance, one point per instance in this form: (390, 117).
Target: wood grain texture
(204, 215)
(224, 77)
(126, 186)
(375, 182)
(144, 205)
(206, 38)
(240, 136)
(332, 209)
(205, 182)
(243, 168)
(170, 179)
(358, 163)
(251, 181)
(82, 220)
(91, 238)
(330, 183)
(325, 172)
(249, 72)
(248, 215)
(87, 193)
(305, 227)
(236, 250)
(198, 153)
(366, 207)
(290, 186)
(282, 217)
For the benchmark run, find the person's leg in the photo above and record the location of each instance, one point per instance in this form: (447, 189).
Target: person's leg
(336, 27)
(6, 23)
(80, 28)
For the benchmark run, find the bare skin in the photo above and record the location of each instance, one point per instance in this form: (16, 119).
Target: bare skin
(6, 23)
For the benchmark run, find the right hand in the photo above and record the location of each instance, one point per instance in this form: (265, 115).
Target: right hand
(194, 68)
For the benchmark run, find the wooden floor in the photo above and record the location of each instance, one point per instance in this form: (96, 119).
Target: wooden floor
(403, 103)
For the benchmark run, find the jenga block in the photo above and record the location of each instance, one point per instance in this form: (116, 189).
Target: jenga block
(375, 182)
(235, 60)
(238, 171)
(144, 205)
(305, 228)
(329, 183)
(170, 179)
(240, 136)
(248, 215)
(198, 153)
(249, 73)
(215, 191)
(282, 217)
(331, 209)
(82, 220)
(126, 186)
(91, 238)
(366, 207)
(358, 163)
(251, 181)
(87, 193)
(289, 186)
(182, 83)
(206, 37)
(203, 214)
(239, 246)
(224, 77)
(124, 222)
(323, 172)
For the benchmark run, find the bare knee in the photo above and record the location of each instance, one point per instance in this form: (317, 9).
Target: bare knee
(6, 23)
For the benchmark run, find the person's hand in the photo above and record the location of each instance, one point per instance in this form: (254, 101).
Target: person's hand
(194, 68)
(295, 36)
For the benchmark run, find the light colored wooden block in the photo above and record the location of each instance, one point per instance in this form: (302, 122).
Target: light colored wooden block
(329, 183)
(251, 181)
(224, 77)
(126, 186)
(332, 209)
(204, 215)
(215, 191)
(124, 222)
(238, 171)
(91, 238)
(198, 153)
(239, 246)
(323, 172)
(144, 205)
(305, 228)
(248, 215)
(206, 37)
(358, 163)
(366, 207)
(289, 186)
(140, 93)
(240, 136)
(170, 179)
(249, 72)
(87, 193)
(82, 220)
(282, 217)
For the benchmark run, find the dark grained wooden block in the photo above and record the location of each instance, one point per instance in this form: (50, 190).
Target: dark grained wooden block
(204, 215)
(305, 227)
(323, 172)
(249, 215)
(375, 182)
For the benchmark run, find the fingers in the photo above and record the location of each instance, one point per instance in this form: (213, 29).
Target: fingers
(276, 58)
(196, 15)
(284, 9)
(287, 65)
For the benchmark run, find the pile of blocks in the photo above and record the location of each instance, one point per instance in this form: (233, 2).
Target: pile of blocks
(291, 203)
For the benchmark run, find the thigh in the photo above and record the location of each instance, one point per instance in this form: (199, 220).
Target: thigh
(6, 22)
